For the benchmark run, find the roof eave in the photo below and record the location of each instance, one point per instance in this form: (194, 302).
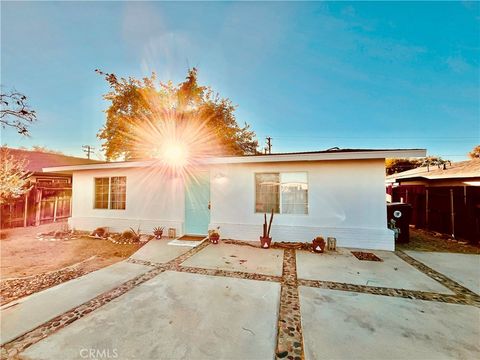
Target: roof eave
(437, 178)
(321, 156)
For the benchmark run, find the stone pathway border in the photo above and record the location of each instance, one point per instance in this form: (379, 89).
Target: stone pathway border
(374, 290)
(458, 289)
(13, 348)
(289, 337)
(15, 288)
(227, 273)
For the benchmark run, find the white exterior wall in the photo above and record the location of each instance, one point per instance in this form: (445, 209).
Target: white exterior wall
(346, 199)
(153, 199)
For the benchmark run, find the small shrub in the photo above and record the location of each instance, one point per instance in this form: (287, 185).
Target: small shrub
(100, 232)
(128, 235)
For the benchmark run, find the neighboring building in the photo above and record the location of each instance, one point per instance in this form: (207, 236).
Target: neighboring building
(445, 199)
(50, 197)
(336, 193)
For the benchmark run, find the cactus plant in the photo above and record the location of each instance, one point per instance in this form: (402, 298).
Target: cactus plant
(265, 239)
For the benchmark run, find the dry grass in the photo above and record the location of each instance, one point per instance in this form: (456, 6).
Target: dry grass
(423, 240)
(22, 254)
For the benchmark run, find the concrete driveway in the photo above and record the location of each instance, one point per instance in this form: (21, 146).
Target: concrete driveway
(209, 302)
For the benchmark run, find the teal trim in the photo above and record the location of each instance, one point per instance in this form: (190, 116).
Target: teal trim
(197, 198)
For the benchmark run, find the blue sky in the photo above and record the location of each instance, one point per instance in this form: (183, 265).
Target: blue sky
(310, 75)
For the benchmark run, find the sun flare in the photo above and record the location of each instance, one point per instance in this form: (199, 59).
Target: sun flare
(177, 140)
(174, 153)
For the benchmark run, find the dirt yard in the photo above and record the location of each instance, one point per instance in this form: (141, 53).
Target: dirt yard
(22, 254)
(423, 240)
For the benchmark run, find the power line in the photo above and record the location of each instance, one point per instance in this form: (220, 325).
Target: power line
(377, 137)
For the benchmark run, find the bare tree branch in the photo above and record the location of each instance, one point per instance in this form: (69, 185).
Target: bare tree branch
(16, 113)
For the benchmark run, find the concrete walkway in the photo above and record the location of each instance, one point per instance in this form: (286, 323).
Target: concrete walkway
(26, 314)
(231, 257)
(159, 251)
(344, 325)
(462, 268)
(342, 266)
(176, 316)
(232, 301)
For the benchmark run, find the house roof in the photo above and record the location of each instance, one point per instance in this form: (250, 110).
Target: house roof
(327, 151)
(457, 170)
(37, 160)
(331, 154)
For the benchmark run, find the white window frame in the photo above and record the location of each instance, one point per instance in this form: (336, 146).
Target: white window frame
(280, 191)
(109, 207)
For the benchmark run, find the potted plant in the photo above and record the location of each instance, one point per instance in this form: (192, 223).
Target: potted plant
(318, 244)
(158, 231)
(214, 236)
(265, 239)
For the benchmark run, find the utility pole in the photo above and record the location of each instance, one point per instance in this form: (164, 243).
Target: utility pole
(268, 149)
(88, 150)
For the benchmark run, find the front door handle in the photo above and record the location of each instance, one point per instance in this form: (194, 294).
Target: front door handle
(209, 205)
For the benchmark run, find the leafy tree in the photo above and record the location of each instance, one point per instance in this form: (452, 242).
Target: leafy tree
(396, 165)
(13, 176)
(141, 112)
(393, 166)
(475, 153)
(434, 161)
(15, 112)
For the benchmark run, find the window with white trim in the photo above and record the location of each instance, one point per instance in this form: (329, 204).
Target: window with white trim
(285, 193)
(110, 193)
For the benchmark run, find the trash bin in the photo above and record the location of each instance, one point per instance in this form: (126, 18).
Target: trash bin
(398, 219)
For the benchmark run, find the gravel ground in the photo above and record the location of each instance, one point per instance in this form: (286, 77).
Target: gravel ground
(12, 289)
(423, 240)
(30, 263)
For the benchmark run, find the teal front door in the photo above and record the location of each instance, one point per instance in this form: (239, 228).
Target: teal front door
(197, 204)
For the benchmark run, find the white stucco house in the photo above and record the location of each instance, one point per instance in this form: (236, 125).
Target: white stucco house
(338, 193)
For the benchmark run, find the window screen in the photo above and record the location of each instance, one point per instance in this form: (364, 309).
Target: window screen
(118, 191)
(267, 189)
(101, 193)
(294, 193)
(285, 193)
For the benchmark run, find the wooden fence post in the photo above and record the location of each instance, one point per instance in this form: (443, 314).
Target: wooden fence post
(39, 207)
(452, 213)
(25, 211)
(55, 209)
(426, 208)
